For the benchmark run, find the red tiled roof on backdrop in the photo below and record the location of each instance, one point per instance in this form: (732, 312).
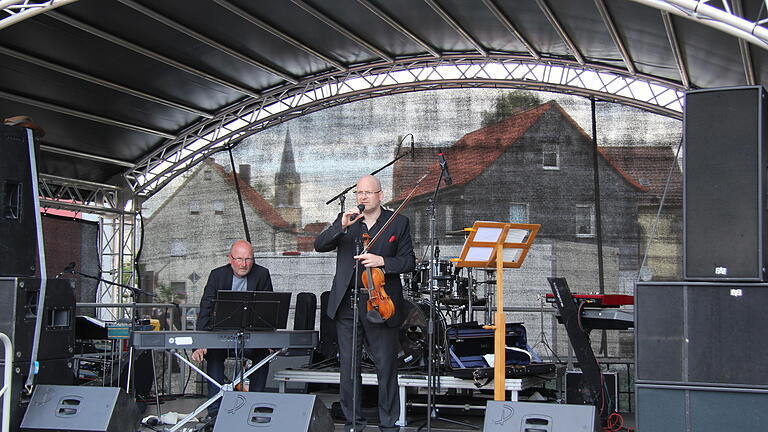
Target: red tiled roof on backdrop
(651, 166)
(253, 198)
(477, 150)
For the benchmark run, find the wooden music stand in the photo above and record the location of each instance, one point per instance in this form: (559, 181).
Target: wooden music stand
(487, 242)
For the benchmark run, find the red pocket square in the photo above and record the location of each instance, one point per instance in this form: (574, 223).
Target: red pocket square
(392, 239)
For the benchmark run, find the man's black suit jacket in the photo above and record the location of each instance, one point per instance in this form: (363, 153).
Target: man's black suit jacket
(221, 279)
(394, 245)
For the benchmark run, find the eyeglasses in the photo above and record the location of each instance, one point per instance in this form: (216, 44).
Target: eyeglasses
(241, 260)
(366, 193)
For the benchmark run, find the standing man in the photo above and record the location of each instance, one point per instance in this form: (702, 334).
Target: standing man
(240, 275)
(393, 253)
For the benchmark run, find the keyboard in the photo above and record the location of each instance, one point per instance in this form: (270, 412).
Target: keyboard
(166, 340)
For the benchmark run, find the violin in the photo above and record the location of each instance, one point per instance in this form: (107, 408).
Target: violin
(380, 305)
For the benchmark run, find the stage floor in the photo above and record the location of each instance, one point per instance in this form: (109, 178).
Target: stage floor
(415, 416)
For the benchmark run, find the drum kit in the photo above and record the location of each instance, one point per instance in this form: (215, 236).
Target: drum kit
(456, 296)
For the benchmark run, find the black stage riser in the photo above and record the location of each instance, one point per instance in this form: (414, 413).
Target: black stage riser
(724, 234)
(18, 306)
(58, 371)
(503, 416)
(80, 409)
(272, 412)
(17, 216)
(701, 333)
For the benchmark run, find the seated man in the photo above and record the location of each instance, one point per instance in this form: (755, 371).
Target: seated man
(241, 274)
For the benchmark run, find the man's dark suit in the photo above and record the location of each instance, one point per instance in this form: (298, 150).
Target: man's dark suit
(221, 279)
(395, 246)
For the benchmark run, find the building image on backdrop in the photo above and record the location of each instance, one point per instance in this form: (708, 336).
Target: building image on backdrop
(531, 165)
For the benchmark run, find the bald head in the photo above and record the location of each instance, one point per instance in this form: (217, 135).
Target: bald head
(369, 192)
(241, 258)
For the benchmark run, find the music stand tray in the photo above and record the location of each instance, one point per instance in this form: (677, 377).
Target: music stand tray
(250, 310)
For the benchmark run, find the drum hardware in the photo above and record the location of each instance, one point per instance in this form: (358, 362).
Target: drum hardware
(412, 337)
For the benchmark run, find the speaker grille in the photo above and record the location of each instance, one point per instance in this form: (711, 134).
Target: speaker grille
(724, 184)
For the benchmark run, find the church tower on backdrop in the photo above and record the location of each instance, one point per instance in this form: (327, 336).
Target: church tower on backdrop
(288, 186)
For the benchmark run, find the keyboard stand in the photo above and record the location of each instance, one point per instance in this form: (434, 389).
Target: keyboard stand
(222, 387)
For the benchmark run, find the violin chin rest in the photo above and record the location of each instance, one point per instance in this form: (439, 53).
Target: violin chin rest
(374, 316)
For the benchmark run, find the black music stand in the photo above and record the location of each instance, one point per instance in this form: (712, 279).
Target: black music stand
(250, 310)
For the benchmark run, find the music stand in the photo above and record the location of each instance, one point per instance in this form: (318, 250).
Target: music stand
(250, 310)
(500, 245)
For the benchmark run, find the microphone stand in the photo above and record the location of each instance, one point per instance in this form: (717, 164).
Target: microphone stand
(135, 292)
(355, 316)
(433, 373)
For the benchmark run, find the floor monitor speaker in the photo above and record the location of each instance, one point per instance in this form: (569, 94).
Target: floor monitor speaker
(58, 371)
(17, 216)
(267, 412)
(724, 194)
(80, 408)
(503, 416)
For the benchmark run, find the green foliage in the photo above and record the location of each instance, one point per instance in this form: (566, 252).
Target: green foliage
(508, 104)
(166, 294)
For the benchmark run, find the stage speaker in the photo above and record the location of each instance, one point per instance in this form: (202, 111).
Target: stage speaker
(296, 358)
(17, 211)
(73, 408)
(58, 371)
(700, 409)
(276, 412)
(701, 333)
(18, 312)
(503, 416)
(724, 194)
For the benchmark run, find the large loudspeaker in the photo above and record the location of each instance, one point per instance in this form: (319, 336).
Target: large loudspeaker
(724, 234)
(17, 215)
(18, 312)
(690, 408)
(73, 408)
(701, 333)
(503, 416)
(267, 412)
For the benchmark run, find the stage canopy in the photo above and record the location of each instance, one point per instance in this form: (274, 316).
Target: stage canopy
(133, 93)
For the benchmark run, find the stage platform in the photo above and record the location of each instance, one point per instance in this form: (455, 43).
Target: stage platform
(415, 416)
(406, 380)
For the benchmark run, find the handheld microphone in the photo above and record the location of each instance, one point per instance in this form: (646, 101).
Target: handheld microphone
(360, 207)
(444, 167)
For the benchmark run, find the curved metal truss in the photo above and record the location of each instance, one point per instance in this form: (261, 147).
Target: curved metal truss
(13, 11)
(252, 115)
(723, 19)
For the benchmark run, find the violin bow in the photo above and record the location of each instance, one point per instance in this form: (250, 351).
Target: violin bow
(395, 213)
